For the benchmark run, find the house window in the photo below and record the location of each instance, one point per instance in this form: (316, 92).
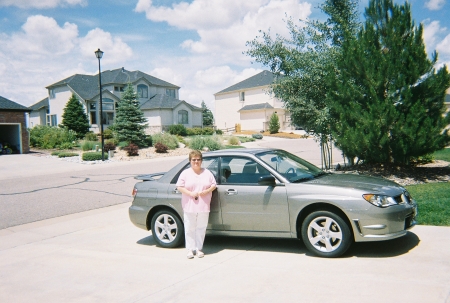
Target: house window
(242, 96)
(183, 117)
(170, 92)
(118, 88)
(108, 111)
(51, 93)
(51, 120)
(93, 112)
(142, 91)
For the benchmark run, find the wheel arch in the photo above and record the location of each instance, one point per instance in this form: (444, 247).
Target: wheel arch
(320, 207)
(155, 209)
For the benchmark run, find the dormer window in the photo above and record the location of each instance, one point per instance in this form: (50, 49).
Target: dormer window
(142, 91)
(170, 92)
(241, 96)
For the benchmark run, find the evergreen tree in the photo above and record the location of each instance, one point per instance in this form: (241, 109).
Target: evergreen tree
(129, 123)
(75, 118)
(208, 118)
(274, 124)
(388, 100)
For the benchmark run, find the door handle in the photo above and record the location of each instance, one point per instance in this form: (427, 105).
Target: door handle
(176, 191)
(230, 192)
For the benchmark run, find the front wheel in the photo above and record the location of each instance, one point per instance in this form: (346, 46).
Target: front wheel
(167, 229)
(326, 234)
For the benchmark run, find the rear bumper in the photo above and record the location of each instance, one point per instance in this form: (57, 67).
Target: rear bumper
(138, 216)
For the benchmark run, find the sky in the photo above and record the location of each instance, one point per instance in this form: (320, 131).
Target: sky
(198, 45)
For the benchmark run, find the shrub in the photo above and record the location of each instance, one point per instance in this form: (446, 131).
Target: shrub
(109, 146)
(160, 148)
(178, 129)
(257, 136)
(207, 131)
(56, 153)
(123, 144)
(197, 131)
(233, 140)
(274, 124)
(90, 136)
(66, 145)
(93, 156)
(219, 132)
(89, 145)
(212, 143)
(132, 150)
(108, 134)
(245, 139)
(48, 137)
(148, 140)
(168, 140)
(65, 155)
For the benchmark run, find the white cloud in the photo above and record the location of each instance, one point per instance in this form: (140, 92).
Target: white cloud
(43, 52)
(431, 33)
(443, 47)
(434, 5)
(42, 4)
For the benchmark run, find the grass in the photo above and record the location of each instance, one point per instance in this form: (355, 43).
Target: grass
(443, 154)
(433, 201)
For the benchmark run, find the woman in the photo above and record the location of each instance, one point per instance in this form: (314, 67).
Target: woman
(196, 185)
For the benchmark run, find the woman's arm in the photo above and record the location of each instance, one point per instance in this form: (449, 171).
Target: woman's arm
(185, 191)
(207, 191)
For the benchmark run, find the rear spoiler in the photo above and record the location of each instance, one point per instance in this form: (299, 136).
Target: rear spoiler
(149, 177)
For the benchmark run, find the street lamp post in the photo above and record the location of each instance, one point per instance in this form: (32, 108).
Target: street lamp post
(99, 55)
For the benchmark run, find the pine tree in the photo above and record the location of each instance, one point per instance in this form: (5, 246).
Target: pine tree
(388, 100)
(274, 124)
(75, 118)
(129, 123)
(208, 118)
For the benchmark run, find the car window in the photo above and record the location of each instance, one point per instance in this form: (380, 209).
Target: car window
(239, 170)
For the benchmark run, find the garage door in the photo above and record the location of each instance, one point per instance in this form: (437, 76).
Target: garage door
(10, 134)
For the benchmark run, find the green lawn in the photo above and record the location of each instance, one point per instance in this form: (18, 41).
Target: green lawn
(443, 154)
(433, 201)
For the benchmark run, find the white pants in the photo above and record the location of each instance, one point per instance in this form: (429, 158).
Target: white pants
(194, 229)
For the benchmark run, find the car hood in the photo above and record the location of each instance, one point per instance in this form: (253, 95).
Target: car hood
(364, 183)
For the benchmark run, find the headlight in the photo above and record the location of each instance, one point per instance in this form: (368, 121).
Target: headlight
(380, 200)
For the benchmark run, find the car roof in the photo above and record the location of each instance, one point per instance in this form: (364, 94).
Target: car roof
(238, 151)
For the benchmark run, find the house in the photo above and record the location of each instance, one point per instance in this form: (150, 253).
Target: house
(159, 100)
(13, 128)
(250, 104)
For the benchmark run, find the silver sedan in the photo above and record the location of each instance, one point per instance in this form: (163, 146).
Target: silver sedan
(272, 193)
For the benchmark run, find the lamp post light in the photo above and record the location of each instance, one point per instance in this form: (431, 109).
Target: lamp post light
(99, 55)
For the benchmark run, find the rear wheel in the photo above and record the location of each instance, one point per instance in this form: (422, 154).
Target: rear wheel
(167, 229)
(326, 234)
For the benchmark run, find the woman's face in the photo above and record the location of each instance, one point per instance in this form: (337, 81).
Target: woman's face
(196, 162)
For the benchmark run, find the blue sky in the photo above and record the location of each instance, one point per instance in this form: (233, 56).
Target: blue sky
(195, 44)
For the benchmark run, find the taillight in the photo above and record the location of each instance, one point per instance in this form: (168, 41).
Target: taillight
(134, 192)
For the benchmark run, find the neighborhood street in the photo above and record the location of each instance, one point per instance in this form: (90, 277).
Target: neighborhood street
(65, 236)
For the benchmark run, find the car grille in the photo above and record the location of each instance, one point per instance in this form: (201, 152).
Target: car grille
(409, 221)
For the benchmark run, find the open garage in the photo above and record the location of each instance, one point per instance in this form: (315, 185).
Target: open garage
(14, 136)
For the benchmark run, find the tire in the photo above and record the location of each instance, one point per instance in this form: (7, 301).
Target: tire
(167, 229)
(326, 234)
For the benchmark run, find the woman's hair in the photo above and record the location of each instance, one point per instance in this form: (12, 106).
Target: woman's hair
(195, 153)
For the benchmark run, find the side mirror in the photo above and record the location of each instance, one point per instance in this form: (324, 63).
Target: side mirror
(267, 180)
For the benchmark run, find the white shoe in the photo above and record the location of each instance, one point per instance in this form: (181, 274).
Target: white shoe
(190, 254)
(200, 254)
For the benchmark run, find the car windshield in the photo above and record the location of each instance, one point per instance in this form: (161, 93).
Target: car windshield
(293, 168)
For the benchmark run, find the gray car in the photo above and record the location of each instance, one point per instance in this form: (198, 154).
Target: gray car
(271, 193)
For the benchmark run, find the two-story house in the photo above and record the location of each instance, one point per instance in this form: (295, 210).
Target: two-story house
(159, 100)
(250, 104)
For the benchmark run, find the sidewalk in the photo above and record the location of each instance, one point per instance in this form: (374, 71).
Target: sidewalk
(99, 256)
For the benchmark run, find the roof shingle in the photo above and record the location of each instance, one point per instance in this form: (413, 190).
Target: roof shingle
(6, 104)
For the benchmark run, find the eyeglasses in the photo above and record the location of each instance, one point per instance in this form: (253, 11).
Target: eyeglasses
(196, 160)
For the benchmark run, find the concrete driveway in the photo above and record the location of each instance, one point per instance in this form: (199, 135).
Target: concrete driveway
(99, 256)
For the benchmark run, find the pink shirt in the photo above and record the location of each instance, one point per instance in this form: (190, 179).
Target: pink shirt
(196, 183)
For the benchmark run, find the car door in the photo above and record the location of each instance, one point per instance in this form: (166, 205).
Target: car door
(247, 205)
(174, 196)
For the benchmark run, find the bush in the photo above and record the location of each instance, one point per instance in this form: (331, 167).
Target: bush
(90, 136)
(123, 144)
(109, 146)
(233, 141)
(89, 145)
(48, 137)
(212, 143)
(148, 140)
(93, 156)
(178, 129)
(132, 150)
(197, 131)
(108, 134)
(257, 136)
(66, 155)
(160, 148)
(219, 132)
(274, 124)
(66, 145)
(56, 153)
(168, 140)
